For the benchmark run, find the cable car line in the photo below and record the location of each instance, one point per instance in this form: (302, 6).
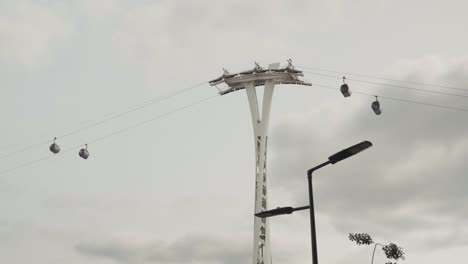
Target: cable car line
(133, 109)
(84, 153)
(144, 122)
(117, 132)
(26, 164)
(410, 88)
(391, 85)
(395, 99)
(385, 79)
(106, 118)
(32, 162)
(120, 131)
(24, 149)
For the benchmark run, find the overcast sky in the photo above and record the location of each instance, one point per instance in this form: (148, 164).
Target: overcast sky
(181, 189)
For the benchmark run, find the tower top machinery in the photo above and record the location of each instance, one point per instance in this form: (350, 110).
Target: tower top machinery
(259, 76)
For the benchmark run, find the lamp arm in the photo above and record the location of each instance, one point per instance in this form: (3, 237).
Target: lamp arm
(309, 172)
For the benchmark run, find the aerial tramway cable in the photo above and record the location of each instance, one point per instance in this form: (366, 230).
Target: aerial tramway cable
(395, 99)
(384, 78)
(104, 119)
(112, 134)
(391, 85)
(345, 90)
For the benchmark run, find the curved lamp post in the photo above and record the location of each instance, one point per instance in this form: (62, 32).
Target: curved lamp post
(335, 158)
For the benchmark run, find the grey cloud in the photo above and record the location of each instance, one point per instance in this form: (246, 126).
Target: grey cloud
(216, 27)
(29, 31)
(123, 52)
(190, 249)
(411, 184)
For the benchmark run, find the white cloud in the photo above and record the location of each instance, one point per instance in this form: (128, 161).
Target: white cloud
(30, 31)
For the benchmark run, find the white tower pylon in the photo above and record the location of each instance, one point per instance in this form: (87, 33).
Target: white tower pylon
(249, 80)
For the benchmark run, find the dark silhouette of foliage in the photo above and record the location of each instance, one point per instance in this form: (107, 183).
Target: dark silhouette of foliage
(361, 238)
(392, 251)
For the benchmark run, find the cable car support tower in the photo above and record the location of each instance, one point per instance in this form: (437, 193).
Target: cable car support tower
(249, 80)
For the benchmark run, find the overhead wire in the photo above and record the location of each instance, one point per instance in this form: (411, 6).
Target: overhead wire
(385, 79)
(24, 149)
(112, 134)
(111, 116)
(389, 85)
(394, 98)
(26, 164)
(105, 118)
(133, 109)
(144, 122)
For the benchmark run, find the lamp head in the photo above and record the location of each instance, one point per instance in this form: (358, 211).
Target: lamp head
(351, 151)
(274, 212)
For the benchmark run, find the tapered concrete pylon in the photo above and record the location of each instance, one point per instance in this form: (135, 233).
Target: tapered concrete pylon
(250, 80)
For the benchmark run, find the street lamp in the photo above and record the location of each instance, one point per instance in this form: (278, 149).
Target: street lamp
(335, 158)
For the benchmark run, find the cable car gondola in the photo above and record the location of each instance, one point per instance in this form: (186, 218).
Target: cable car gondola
(54, 148)
(345, 89)
(84, 153)
(376, 106)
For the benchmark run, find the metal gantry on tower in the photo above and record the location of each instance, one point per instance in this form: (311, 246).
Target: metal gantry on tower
(249, 80)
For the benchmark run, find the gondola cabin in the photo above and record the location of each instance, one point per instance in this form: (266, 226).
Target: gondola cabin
(54, 148)
(84, 153)
(376, 107)
(345, 90)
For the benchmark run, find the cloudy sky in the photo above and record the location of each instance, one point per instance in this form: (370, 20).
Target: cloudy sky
(180, 189)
